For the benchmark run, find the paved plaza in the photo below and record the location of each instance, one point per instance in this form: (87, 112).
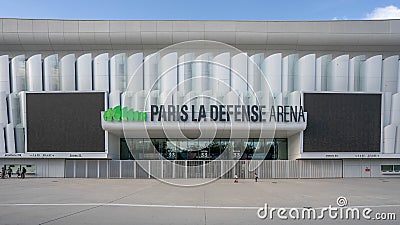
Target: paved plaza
(149, 201)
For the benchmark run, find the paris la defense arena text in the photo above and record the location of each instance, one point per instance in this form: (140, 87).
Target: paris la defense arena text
(228, 113)
(177, 100)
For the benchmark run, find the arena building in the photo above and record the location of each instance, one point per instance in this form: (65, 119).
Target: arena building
(200, 99)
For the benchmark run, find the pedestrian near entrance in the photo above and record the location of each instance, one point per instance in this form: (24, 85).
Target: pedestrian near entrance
(23, 173)
(9, 172)
(236, 179)
(255, 176)
(3, 172)
(18, 172)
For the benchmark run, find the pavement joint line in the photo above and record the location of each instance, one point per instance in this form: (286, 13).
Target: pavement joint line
(93, 206)
(172, 206)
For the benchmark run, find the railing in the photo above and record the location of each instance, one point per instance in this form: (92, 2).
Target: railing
(189, 169)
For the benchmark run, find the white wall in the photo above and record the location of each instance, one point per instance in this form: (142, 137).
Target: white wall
(357, 167)
(294, 146)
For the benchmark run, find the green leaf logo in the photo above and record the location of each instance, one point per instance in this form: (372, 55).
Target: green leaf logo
(117, 114)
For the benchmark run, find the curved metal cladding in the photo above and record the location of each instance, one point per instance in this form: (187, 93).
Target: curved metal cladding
(3, 109)
(118, 73)
(387, 103)
(134, 79)
(390, 70)
(168, 78)
(389, 139)
(305, 76)
(51, 73)
(3, 121)
(4, 74)
(18, 79)
(117, 78)
(321, 72)
(239, 73)
(34, 73)
(254, 73)
(67, 73)
(338, 75)
(288, 73)
(101, 78)
(150, 72)
(178, 79)
(185, 74)
(201, 72)
(355, 72)
(272, 70)
(84, 79)
(395, 112)
(220, 82)
(371, 75)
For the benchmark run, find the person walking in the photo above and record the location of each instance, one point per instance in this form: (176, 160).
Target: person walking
(255, 176)
(18, 172)
(9, 172)
(23, 173)
(236, 179)
(3, 172)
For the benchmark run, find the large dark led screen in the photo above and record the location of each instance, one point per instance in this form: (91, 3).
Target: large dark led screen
(65, 122)
(342, 122)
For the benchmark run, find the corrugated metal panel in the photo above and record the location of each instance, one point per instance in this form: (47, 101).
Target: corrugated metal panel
(80, 168)
(114, 168)
(69, 168)
(168, 169)
(226, 169)
(127, 169)
(140, 171)
(103, 168)
(92, 171)
(195, 169)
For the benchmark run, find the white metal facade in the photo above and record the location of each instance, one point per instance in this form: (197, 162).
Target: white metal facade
(334, 56)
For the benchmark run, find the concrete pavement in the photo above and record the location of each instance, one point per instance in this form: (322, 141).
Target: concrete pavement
(148, 201)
